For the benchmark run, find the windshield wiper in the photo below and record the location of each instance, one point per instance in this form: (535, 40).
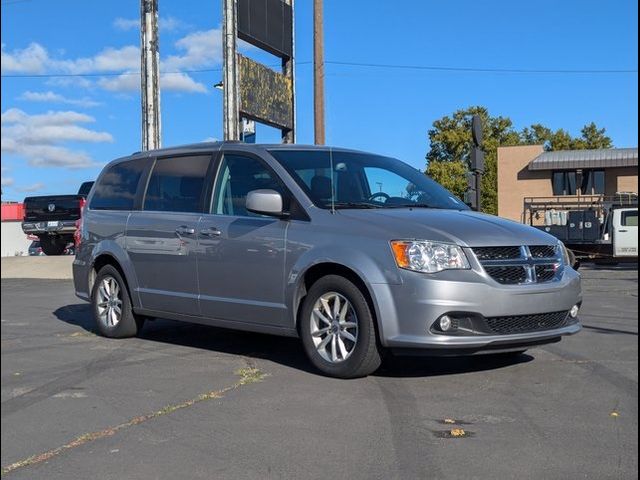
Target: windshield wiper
(354, 205)
(419, 205)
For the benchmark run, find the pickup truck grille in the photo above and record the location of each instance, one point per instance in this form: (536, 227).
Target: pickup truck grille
(515, 265)
(526, 323)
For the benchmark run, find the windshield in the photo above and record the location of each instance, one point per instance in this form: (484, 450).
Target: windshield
(360, 180)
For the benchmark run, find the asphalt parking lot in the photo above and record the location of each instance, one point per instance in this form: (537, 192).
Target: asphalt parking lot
(187, 401)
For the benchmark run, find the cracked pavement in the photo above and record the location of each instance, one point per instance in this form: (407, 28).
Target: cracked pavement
(201, 402)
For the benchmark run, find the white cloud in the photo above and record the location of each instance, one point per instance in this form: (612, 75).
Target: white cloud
(125, 82)
(201, 49)
(31, 188)
(70, 82)
(38, 137)
(181, 82)
(32, 59)
(36, 59)
(6, 181)
(51, 97)
(126, 23)
(108, 60)
(168, 24)
(177, 82)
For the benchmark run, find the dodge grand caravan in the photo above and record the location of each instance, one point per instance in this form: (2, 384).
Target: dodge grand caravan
(353, 253)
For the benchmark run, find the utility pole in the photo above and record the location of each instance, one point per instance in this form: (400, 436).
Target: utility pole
(231, 113)
(150, 77)
(318, 73)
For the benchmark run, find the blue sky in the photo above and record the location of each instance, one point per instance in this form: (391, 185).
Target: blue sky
(58, 131)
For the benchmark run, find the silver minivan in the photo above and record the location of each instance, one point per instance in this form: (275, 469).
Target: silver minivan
(354, 253)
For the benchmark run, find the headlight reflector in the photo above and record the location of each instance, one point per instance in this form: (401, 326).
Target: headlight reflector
(428, 257)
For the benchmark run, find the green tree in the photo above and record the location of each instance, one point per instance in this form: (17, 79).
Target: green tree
(451, 175)
(450, 139)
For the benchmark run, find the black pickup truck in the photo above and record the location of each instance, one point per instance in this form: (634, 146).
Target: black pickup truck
(52, 218)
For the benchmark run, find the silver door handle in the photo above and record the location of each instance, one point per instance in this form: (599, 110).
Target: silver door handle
(184, 230)
(211, 232)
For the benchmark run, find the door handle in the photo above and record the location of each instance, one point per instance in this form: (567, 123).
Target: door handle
(211, 232)
(184, 230)
(623, 231)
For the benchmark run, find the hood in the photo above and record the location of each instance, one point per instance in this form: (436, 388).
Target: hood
(465, 228)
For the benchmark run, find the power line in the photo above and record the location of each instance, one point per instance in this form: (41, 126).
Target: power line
(478, 70)
(117, 74)
(360, 65)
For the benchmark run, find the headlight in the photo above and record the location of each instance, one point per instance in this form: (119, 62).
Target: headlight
(566, 258)
(428, 257)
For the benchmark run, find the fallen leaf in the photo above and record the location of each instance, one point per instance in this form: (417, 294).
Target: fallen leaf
(614, 414)
(449, 420)
(457, 432)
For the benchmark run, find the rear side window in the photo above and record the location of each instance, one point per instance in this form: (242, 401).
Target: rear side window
(116, 188)
(630, 218)
(177, 184)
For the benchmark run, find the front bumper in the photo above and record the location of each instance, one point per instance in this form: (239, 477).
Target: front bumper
(407, 312)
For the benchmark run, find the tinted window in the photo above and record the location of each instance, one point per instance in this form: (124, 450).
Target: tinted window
(598, 182)
(361, 180)
(85, 188)
(237, 176)
(177, 184)
(564, 183)
(592, 182)
(630, 218)
(116, 189)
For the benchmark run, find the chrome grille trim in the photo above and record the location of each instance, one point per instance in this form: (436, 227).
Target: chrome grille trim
(505, 267)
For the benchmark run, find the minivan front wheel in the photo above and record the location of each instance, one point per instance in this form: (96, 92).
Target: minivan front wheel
(337, 330)
(112, 305)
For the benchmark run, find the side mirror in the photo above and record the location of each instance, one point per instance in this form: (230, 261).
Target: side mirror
(265, 202)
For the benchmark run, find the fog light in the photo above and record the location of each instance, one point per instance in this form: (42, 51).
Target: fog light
(445, 323)
(574, 311)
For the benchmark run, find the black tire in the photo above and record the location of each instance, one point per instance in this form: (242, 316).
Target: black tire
(366, 356)
(129, 323)
(52, 245)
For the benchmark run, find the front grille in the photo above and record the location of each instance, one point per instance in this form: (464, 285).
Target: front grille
(515, 265)
(508, 275)
(543, 251)
(497, 253)
(545, 273)
(526, 323)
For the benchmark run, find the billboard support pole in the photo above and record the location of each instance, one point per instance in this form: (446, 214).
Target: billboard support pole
(318, 73)
(149, 78)
(231, 122)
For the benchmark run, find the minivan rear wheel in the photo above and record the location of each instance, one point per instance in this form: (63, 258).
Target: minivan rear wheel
(111, 304)
(337, 330)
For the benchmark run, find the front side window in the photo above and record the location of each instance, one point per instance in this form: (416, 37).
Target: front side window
(237, 176)
(116, 189)
(177, 184)
(339, 179)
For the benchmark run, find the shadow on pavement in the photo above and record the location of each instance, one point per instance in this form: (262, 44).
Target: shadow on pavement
(284, 350)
